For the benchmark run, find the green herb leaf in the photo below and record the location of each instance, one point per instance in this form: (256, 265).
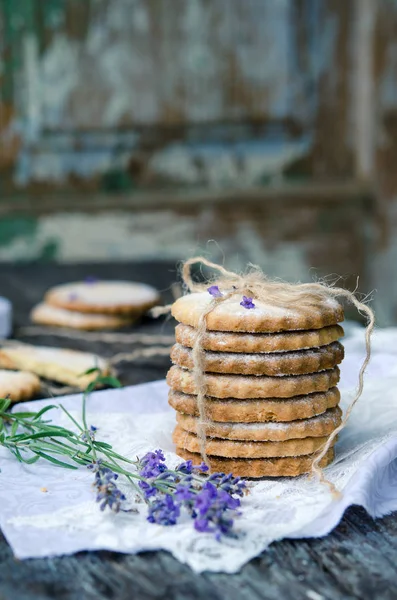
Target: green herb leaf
(89, 371)
(110, 380)
(55, 461)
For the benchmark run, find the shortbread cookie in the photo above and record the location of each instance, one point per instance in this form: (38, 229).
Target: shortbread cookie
(252, 386)
(251, 411)
(231, 316)
(274, 364)
(237, 449)
(220, 341)
(258, 467)
(319, 426)
(18, 385)
(57, 364)
(45, 314)
(106, 297)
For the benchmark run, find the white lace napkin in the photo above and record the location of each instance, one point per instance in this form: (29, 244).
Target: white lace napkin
(47, 511)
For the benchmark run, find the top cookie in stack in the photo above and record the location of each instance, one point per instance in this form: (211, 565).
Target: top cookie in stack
(94, 304)
(270, 378)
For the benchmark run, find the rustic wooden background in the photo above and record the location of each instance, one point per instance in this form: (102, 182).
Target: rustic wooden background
(144, 128)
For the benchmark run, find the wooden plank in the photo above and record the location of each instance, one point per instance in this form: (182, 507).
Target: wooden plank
(332, 154)
(315, 194)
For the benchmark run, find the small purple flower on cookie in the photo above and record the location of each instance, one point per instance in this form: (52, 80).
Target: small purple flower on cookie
(73, 297)
(90, 279)
(215, 291)
(247, 302)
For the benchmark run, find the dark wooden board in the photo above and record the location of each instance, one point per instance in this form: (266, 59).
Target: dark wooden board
(357, 560)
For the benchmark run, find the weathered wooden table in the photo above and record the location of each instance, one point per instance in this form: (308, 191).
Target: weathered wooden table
(357, 560)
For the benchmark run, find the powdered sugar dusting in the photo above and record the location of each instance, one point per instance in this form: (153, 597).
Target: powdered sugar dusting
(330, 417)
(105, 293)
(74, 360)
(287, 341)
(229, 315)
(62, 317)
(275, 364)
(271, 357)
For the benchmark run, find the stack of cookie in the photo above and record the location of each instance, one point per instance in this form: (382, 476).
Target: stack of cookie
(270, 375)
(95, 305)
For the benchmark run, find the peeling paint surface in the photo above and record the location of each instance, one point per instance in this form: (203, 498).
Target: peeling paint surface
(138, 63)
(116, 65)
(285, 245)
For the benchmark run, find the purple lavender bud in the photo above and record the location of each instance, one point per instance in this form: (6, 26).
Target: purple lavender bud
(152, 464)
(214, 291)
(185, 467)
(201, 525)
(247, 302)
(183, 493)
(202, 502)
(210, 489)
(90, 279)
(164, 511)
(147, 489)
(215, 477)
(203, 467)
(226, 478)
(228, 500)
(73, 296)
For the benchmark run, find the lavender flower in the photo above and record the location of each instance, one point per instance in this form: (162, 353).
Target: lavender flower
(183, 493)
(148, 490)
(228, 483)
(214, 291)
(152, 464)
(73, 296)
(90, 434)
(90, 279)
(212, 501)
(108, 493)
(213, 508)
(202, 467)
(247, 302)
(164, 511)
(185, 467)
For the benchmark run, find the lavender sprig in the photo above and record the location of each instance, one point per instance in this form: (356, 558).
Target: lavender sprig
(211, 501)
(108, 493)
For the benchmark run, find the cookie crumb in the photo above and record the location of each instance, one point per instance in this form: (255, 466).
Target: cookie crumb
(44, 490)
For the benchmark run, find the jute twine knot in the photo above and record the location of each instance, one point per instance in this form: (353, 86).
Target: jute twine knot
(256, 285)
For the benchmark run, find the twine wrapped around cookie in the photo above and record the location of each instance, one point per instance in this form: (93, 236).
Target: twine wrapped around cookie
(256, 285)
